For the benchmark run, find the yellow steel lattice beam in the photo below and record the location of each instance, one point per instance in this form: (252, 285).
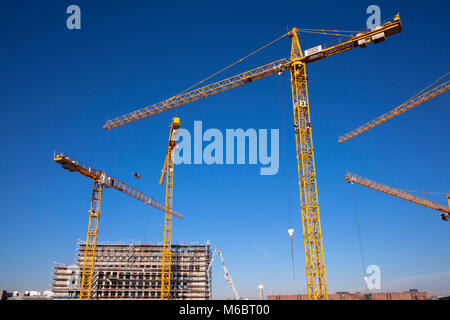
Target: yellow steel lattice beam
(109, 182)
(101, 180)
(408, 105)
(91, 242)
(197, 94)
(353, 178)
(167, 172)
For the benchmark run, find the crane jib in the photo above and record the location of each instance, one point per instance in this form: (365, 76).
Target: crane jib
(107, 181)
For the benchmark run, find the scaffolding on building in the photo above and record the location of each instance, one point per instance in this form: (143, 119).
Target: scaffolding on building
(133, 271)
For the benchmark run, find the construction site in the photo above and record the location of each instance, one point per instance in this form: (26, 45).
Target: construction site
(170, 269)
(133, 271)
(106, 268)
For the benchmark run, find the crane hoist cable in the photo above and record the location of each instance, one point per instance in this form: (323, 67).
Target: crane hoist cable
(326, 30)
(235, 63)
(428, 86)
(358, 231)
(329, 32)
(291, 236)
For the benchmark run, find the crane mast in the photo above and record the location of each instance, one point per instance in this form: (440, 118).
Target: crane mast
(309, 202)
(312, 240)
(91, 242)
(101, 180)
(227, 275)
(167, 172)
(350, 177)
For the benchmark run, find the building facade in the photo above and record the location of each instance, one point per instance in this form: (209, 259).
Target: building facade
(133, 271)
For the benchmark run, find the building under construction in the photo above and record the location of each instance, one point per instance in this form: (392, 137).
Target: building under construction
(133, 271)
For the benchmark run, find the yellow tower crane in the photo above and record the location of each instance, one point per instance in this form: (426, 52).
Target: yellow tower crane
(101, 180)
(408, 105)
(296, 64)
(353, 178)
(167, 172)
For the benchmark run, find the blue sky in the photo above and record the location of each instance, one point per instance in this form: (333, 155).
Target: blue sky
(59, 86)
